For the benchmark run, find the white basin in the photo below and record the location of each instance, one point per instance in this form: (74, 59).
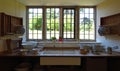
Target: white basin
(62, 60)
(52, 52)
(60, 52)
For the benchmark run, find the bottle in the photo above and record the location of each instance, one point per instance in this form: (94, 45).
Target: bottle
(109, 50)
(60, 39)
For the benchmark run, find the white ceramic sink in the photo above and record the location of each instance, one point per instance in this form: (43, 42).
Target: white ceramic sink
(60, 60)
(60, 52)
(52, 52)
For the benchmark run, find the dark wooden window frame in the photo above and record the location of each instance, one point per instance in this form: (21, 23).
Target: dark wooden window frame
(61, 20)
(50, 13)
(71, 20)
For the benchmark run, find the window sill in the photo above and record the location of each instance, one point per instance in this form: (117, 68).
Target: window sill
(72, 41)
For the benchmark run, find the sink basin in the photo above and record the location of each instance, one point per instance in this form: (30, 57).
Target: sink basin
(52, 52)
(60, 52)
(60, 60)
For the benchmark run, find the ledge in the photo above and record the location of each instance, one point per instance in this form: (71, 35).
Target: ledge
(69, 42)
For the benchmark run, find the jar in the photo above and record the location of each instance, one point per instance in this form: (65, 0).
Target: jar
(83, 51)
(109, 50)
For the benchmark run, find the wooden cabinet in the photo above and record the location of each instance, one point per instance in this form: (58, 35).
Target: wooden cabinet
(110, 20)
(114, 63)
(5, 24)
(96, 64)
(8, 23)
(8, 63)
(15, 21)
(7, 28)
(110, 25)
(1, 24)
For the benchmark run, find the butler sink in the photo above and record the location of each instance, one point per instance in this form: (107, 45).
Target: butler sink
(61, 50)
(60, 59)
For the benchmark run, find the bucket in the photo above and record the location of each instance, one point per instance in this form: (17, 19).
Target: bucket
(23, 67)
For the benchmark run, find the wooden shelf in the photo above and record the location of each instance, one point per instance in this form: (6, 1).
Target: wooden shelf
(112, 23)
(8, 23)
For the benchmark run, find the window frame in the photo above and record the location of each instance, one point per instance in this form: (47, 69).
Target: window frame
(67, 18)
(94, 7)
(76, 29)
(27, 22)
(53, 23)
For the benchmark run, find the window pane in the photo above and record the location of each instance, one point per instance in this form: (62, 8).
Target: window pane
(91, 10)
(35, 23)
(52, 18)
(86, 24)
(69, 23)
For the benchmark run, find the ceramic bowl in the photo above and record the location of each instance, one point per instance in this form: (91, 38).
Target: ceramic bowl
(29, 45)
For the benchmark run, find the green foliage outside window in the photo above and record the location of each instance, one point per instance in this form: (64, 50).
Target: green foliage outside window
(37, 24)
(55, 26)
(86, 24)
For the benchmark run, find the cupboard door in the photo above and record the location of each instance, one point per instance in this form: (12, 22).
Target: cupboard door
(15, 21)
(114, 64)
(1, 24)
(112, 22)
(96, 64)
(7, 24)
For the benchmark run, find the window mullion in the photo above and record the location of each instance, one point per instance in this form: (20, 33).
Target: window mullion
(84, 24)
(89, 25)
(44, 24)
(54, 24)
(50, 22)
(66, 23)
(61, 22)
(32, 22)
(37, 24)
(71, 25)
